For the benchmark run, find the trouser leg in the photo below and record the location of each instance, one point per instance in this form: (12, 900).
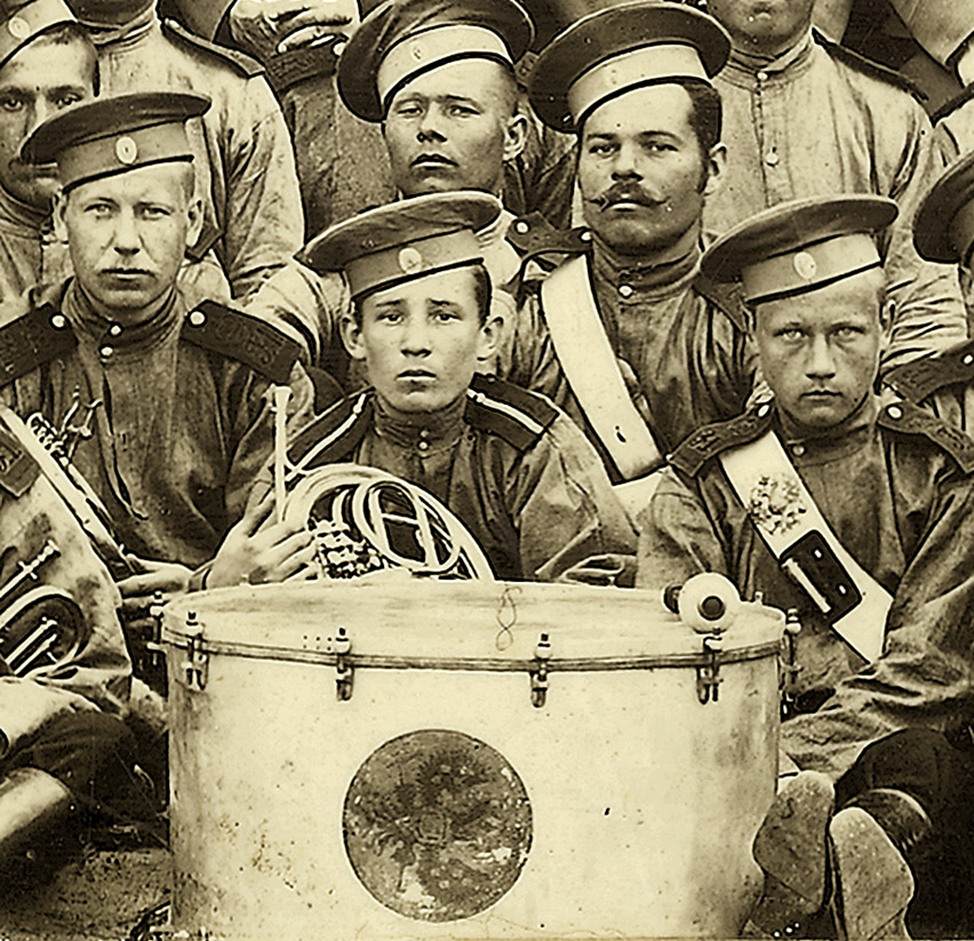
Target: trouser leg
(940, 777)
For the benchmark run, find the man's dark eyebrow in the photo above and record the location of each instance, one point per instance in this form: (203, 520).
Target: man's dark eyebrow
(601, 135)
(434, 302)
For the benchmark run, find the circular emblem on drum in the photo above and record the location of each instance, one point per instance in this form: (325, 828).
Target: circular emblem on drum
(437, 825)
(126, 150)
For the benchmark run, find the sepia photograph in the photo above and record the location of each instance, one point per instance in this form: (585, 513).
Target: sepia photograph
(486, 470)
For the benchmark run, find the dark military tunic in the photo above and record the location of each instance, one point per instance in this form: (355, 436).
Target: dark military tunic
(512, 468)
(895, 487)
(681, 344)
(184, 421)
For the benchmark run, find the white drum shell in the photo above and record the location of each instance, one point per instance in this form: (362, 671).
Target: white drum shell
(644, 801)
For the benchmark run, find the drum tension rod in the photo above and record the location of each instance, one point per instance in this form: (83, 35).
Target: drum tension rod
(539, 675)
(343, 669)
(789, 664)
(197, 659)
(708, 678)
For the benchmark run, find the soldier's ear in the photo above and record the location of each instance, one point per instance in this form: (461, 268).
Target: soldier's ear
(887, 311)
(490, 333)
(351, 328)
(716, 165)
(515, 136)
(195, 214)
(60, 205)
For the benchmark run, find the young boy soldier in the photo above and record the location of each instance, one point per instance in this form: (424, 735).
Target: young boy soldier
(513, 468)
(627, 336)
(856, 515)
(439, 77)
(805, 117)
(177, 387)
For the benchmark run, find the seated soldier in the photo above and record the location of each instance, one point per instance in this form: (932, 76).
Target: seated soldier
(64, 673)
(943, 230)
(857, 516)
(179, 388)
(510, 465)
(450, 121)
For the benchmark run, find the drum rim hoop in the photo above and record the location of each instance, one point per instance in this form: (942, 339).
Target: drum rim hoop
(182, 641)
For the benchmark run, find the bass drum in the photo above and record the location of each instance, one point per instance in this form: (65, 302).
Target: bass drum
(397, 758)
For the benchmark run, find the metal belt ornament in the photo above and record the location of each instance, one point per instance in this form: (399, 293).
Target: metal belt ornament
(592, 370)
(853, 603)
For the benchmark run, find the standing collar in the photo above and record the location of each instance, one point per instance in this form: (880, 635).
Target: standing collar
(792, 61)
(862, 419)
(407, 429)
(659, 275)
(124, 338)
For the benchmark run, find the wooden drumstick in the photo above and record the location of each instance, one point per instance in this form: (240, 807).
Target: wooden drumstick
(281, 396)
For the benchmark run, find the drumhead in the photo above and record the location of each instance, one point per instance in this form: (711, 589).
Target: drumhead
(401, 616)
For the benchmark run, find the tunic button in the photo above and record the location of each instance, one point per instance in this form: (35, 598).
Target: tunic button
(798, 450)
(521, 227)
(115, 329)
(771, 158)
(106, 351)
(894, 411)
(197, 318)
(762, 76)
(59, 321)
(585, 236)
(763, 410)
(625, 290)
(968, 359)
(423, 445)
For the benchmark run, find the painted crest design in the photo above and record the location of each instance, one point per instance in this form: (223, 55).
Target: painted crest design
(776, 504)
(437, 825)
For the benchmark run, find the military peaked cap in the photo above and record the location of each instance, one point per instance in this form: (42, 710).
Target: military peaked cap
(113, 135)
(22, 23)
(403, 39)
(943, 229)
(407, 239)
(621, 48)
(801, 245)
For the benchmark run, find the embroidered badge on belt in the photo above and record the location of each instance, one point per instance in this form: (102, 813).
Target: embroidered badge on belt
(776, 504)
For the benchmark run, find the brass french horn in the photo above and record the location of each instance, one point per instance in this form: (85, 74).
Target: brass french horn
(365, 520)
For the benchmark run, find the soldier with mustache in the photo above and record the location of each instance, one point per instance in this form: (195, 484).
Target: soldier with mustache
(628, 337)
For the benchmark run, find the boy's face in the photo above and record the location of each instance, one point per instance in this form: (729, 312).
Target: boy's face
(820, 351)
(421, 340)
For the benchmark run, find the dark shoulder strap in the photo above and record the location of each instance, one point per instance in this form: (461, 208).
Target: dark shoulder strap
(508, 411)
(35, 338)
(239, 336)
(710, 440)
(906, 418)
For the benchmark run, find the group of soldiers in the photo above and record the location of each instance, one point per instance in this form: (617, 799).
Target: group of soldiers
(656, 291)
